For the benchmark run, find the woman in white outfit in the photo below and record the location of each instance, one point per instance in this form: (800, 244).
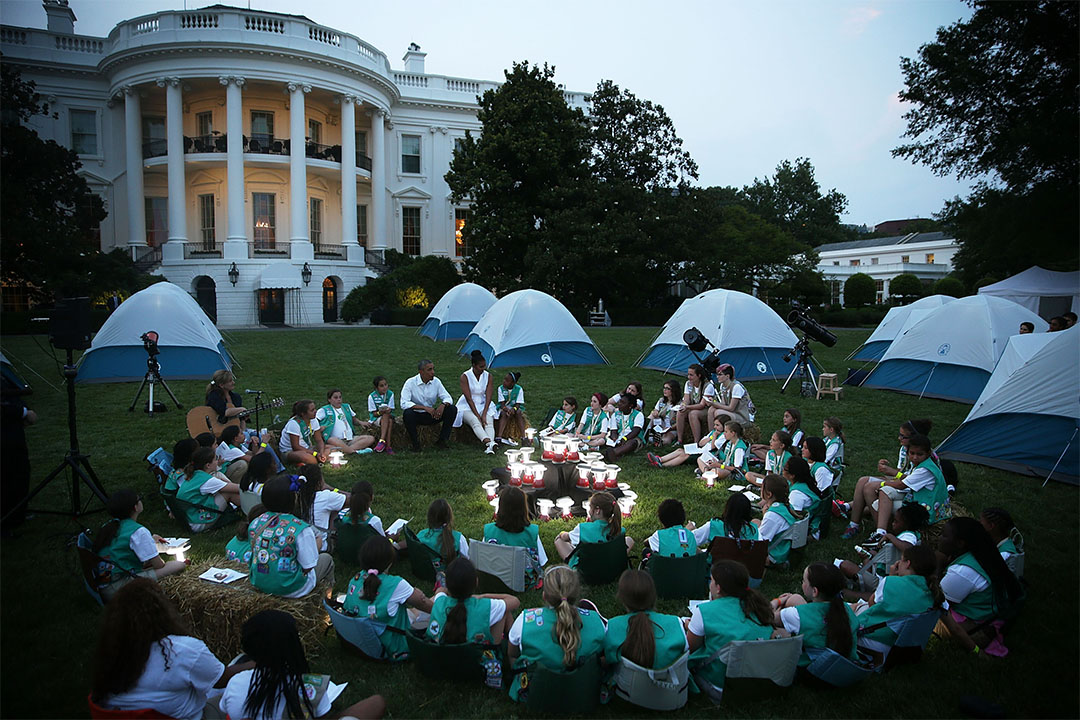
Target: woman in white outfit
(475, 408)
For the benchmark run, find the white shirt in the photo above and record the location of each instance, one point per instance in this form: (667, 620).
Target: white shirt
(307, 555)
(799, 500)
(613, 401)
(960, 581)
(427, 394)
(179, 691)
(919, 478)
(790, 617)
(326, 502)
(342, 428)
(228, 453)
(211, 485)
(143, 545)
(823, 477)
(399, 597)
(293, 428)
(832, 448)
(771, 525)
(235, 696)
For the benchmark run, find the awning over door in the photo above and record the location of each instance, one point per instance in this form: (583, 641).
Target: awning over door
(281, 275)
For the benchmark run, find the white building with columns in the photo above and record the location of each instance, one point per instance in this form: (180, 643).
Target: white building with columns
(260, 161)
(927, 256)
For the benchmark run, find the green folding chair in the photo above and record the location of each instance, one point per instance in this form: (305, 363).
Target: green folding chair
(601, 563)
(564, 692)
(179, 507)
(422, 558)
(457, 663)
(350, 538)
(680, 577)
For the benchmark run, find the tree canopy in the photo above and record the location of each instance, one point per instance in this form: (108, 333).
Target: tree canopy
(859, 289)
(906, 286)
(792, 200)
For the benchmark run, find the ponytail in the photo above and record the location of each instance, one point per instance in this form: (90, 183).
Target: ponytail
(120, 505)
(441, 516)
(562, 591)
(310, 479)
(360, 501)
(199, 459)
(799, 469)
(637, 593)
(733, 580)
(371, 585)
(604, 503)
(377, 554)
(923, 561)
(829, 582)
(460, 583)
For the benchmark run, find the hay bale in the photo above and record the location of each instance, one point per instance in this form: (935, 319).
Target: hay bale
(933, 533)
(428, 434)
(752, 433)
(216, 613)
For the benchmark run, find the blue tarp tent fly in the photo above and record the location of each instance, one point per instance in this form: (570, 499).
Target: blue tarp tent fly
(1027, 419)
(191, 347)
(457, 312)
(749, 334)
(894, 323)
(951, 351)
(529, 327)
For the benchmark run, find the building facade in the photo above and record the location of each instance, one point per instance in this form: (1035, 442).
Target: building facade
(928, 256)
(260, 161)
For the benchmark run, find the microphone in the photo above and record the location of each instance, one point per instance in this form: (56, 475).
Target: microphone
(252, 392)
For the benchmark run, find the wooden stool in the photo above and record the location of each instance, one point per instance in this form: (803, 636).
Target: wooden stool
(827, 386)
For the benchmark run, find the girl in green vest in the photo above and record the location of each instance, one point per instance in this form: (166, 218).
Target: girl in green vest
(381, 413)
(662, 418)
(510, 407)
(603, 524)
(376, 594)
(564, 418)
(735, 611)
(459, 616)
(712, 444)
(559, 636)
(440, 535)
(736, 522)
(732, 464)
(792, 425)
(285, 557)
(977, 584)
(181, 457)
(777, 516)
(924, 484)
(627, 429)
(259, 470)
(336, 419)
(820, 614)
(593, 427)
(302, 438)
(513, 527)
(675, 538)
(239, 546)
(129, 549)
(804, 494)
(1010, 543)
(643, 636)
(905, 531)
(910, 588)
(207, 496)
(832, 431)
(777, 453)
(359, 511)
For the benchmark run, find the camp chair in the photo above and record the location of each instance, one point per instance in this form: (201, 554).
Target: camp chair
(501, 568)
(350, 538)
(248, 500)
(774, 660)
(821, 517)
(663, 689)
(422, 558)
(751, 553)
(564, 692)
(160, 462)
(88, 566)
(601, 563)
(834, 669)
(912, 634)
(362, 633)
(1015, 563)
(798, 533)
(459, 662)
(179, 507)
(680, 577)
(99, 713)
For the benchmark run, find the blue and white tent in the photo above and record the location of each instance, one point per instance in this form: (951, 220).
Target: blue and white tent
(950, 353)
(749, 334)
(1027, 419)
(191, 347)
(529, 327)
(454, 316)
(895, 322)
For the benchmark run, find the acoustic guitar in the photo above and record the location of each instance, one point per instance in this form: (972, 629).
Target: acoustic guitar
(205, 419)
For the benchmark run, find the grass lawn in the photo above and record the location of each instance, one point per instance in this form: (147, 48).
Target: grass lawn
(49, 624)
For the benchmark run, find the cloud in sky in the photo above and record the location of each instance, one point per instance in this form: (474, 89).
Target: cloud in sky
(858, 19)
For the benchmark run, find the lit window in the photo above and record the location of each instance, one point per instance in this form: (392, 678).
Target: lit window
(263, 214)
(410, 230)
(461, 216)
(853, 262)
(84, 132)
(929, 258)
(905, 258)
(410, 154)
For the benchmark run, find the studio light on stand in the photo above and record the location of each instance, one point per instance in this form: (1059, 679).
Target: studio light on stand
(803, 354)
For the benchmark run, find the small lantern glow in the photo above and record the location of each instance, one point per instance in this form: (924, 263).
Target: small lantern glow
(626, 505)
(538, 478)
(491, 488)
(710, 478)
(544, 506)
(565, 504)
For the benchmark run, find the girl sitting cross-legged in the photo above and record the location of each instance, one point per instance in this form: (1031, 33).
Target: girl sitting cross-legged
(713, 445)
(792, 426)
(603, 524)
(129, 548)
(777, 453)
(207, 496)
(564, 419)
(732, 463)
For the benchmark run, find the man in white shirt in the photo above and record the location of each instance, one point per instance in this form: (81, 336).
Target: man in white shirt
(424, 401)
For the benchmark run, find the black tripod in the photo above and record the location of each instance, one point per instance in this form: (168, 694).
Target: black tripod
(74, 460)
(808, 386)
(152, 378)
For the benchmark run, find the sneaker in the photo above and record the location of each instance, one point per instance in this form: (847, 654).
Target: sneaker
(389, 450)
(653, 459)
(840, 509)
(510, 442)
(851, 532)
(504, 441)
(697, 473)
(490, 449)
(380, 446)
(875, 537)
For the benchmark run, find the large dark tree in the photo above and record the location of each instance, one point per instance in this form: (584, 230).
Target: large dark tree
(47, 236)
(793, 201)
(996, 98)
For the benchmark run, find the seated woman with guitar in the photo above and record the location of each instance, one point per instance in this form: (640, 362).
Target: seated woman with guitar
(226, 403)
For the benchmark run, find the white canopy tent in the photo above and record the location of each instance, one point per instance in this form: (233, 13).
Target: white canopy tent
(1045, 292)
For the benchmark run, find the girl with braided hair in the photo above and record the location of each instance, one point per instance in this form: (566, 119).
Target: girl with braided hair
(559, 636)
(459, 616)
(285, 557)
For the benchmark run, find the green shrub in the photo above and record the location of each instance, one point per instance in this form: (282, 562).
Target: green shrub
(859, 290)
(950, 286)
(906, 286)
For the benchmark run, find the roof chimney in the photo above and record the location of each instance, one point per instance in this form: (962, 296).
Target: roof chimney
(414, 59)
(61, 17)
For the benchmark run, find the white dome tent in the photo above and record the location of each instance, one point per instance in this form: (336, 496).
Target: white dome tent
(1035, 386)
(1045, 292)
(527, 328)
(950, 353)
(748, 333)
(457, 312)
(895, 322)
(191, 347)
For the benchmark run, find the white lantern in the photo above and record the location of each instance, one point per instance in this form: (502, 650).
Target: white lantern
(565, 505)
(491, 487)
(544, 506)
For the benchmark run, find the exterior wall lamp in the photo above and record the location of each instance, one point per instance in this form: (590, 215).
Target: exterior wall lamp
(234, 274)
(305, 274)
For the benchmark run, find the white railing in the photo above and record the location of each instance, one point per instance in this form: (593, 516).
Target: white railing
(198, 20)
(410, 80)
(323, 35)
(146, 25)
(79, 44)
(468, 86)
(14, 36)
(261, 23)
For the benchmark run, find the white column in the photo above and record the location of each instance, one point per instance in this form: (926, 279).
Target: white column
(348, 170)
(298, 210)
(134, 168)
(378, 181)
(236, 233)
(174, 133)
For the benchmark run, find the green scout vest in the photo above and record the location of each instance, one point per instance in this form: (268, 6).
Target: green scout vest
(508, 398)
(812, 628)
(365, 519)
(838, 458)
(593, 531)
(172, 482)
(724, 621)
(902, 595)
(814, 467)
(592, 422)
(936, 497)
(538, 643)
(676, 541)
(667, 633)
(718, 529)
(378, 401)
(779, 549)
(203, 509)
(625, 423)
(433, 539)
(119, 551)
(729, 454)
(774, 466)
(330, 417)
(1008, 546)
(979, 604)
(526, 538)
(274, 565)
(563, 421)
(378, 610)
(239, 550)
(477, 618)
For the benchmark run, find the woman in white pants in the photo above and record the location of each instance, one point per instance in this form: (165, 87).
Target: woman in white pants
(475, 408)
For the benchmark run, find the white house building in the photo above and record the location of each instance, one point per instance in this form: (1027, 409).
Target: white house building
(260, 161)
(928, 256)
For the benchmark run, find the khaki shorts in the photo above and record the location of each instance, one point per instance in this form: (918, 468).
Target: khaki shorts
(895, 494)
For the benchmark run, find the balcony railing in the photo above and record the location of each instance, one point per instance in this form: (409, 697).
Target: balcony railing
(155, 148)
(269, 248)
(265, 144)
(322, 250)
(259, 144)
(198, 250)
(206, 144)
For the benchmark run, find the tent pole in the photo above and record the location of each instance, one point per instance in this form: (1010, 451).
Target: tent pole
(1060, 457)
(927, 380)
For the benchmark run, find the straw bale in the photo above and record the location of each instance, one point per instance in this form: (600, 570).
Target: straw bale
(428, 434)
(933, 533)
(216, 613)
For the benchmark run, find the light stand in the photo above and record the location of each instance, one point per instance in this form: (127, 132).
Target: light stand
(152, 378)
(808, 386)
(74, 460)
